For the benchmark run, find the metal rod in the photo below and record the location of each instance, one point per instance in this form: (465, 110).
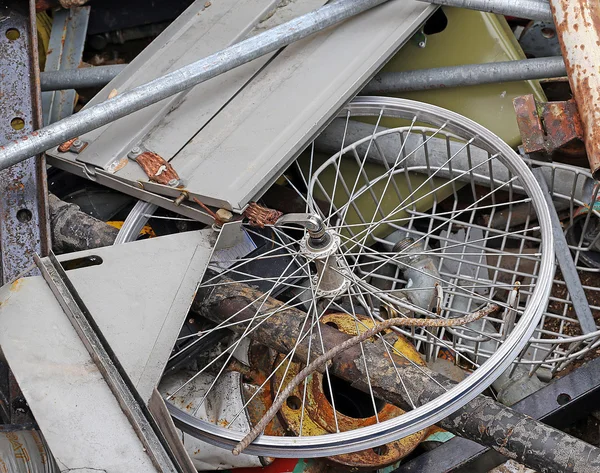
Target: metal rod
(80, 78)
(386, 83)
(468, 74)
(579, 36)
(529, 9)
(181, 79)
(567, 265)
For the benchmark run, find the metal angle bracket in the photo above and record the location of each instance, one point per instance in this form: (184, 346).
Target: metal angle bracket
(128, 303)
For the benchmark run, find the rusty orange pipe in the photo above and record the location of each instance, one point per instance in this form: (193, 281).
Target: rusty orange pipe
(578, 27)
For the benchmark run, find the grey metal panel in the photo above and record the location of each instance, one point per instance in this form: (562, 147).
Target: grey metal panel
(139, 297)
(250, 142)
(75, 409)
(199, 32)
(257, 132)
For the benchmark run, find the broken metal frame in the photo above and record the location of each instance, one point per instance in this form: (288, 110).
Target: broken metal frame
(188, 76)
(182, 79)
(579, 36)
(75, 408)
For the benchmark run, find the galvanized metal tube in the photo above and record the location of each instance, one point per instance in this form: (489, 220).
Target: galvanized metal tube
(578, 27)
(468, 74)
(530, 9)
(181, 79)
(79, 78)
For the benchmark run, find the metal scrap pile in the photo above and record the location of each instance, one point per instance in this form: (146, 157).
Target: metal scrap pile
(299, 235)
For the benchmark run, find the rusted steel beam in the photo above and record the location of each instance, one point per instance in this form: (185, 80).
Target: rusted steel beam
(578, 27)
(483, 420)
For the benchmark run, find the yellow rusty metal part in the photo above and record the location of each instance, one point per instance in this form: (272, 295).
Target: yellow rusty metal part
(145, 231)
(318, 417)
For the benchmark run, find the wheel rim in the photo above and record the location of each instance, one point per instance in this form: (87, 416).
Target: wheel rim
(455, 129)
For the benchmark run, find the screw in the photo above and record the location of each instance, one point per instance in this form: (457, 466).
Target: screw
(78, 146)
(135, 152)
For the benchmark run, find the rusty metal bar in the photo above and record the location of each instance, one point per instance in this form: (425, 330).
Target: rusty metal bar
(482, 420)
(578, 27)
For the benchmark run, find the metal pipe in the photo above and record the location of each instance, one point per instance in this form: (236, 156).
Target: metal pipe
(180, 80)
(468, 74)
(578, 31)
(79, 78)
(386, 83)
(529, 9)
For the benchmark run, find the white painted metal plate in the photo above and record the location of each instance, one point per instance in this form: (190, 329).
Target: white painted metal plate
(139, 297)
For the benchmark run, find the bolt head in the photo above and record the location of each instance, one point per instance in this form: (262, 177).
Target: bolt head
(174, 182)
(78, 143)
(136, 150)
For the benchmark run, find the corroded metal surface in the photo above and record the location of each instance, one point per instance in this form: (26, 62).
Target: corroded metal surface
(23, 210)
(23, 219)
(578, 27)
(317, 416)
(546, 127)
(483, 420)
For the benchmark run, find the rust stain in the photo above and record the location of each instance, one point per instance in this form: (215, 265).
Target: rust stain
(547, 126)
(16, 285)
(318, 415)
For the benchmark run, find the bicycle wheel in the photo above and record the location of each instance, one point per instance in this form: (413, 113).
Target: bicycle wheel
(397, 202)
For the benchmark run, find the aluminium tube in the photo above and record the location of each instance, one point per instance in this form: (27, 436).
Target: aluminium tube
(468, 74)
(180, 80)
(529, 9)
(79, 78)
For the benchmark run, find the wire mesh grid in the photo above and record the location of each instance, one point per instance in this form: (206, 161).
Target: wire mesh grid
(470, 218)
